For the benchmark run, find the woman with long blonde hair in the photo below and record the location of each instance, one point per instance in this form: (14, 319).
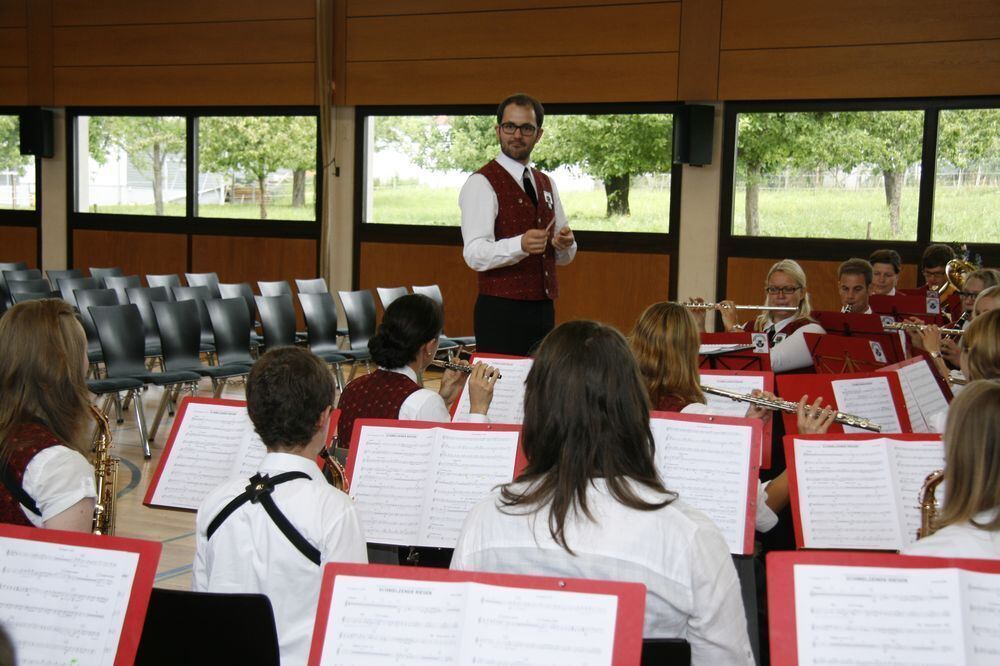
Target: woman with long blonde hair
(45, 478)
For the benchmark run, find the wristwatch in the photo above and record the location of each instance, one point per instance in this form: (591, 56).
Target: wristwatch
(935, 354)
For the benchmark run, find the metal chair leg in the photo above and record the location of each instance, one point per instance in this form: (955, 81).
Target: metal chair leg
(217, 386)
(119, 417)
(167, 392)
(140, 418)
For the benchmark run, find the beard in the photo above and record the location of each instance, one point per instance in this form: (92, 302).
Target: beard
(518, 151)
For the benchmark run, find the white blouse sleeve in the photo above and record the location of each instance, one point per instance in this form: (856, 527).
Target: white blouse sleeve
(427, 405)
(792, 353)
(57, 478)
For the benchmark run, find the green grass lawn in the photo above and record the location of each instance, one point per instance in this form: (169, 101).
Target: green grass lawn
(240, 211)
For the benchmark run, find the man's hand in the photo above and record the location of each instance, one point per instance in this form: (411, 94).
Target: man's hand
(534, 241)
(564, 239)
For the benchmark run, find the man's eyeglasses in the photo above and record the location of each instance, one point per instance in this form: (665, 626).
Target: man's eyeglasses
(967, 294)
(787, 291)
(527, 129)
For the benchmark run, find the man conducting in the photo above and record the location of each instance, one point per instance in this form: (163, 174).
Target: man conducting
(515, 233)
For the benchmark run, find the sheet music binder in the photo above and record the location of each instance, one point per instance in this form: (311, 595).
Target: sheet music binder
(747, 358)
(793, 387)
(768, 381)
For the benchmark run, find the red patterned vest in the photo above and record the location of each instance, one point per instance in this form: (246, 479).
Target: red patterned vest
(776, 338)
(26, 441)
(670, 403)
(534, 277)
(375, 396)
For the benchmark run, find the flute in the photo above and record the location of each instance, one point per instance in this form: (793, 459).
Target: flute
(467, 369)
(762, 308)
(786, 406)
(907, 326)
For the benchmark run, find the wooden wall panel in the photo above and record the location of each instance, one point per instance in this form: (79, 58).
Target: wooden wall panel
(119, 12)
(13, 86)
(392, 7)
(249, 259)
(758, 24)
(541, 32)
(265, 84)
(14, 47)
(13, 13)
(606, 78)
(136, 252)
(187, 44)
(19, 244)
(745, 279)
(698, 68)
(946, 68)
(639, 279)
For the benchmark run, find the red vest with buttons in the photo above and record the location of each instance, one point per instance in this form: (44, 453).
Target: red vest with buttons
(789, 328)
(25, 442)
(375, 396)
(534, 277)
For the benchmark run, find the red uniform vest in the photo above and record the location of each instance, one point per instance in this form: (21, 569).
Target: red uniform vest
(375, 396)
(534, 277)
(26, 441)
(775, 338)
(670, 403)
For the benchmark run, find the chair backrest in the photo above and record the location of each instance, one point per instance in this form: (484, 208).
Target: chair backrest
(5, 300)
(231, 325)
(36, 286)
(227, 628)
(388, 294)
(120, 283)
(241, 290)
(431, 291)
(22, 274)
(101, 274)
(13, 266)
(88, 298)
(168, 280)
(665, 652)
(313, 286)
(210, 280)
(359, 308)
(67, 287)
(275, 288)
(123, 345)
(55, 276)
(321, 321)
(277, 318)
(32, 296)
(143, 298)
(180, 334)
(200, 295)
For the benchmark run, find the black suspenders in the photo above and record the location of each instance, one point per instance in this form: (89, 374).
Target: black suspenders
(259, 491)
(17, 490)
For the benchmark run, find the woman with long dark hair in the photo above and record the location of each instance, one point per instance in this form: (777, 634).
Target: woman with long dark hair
(591, 504)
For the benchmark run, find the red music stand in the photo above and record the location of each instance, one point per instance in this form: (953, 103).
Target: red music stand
(748, 352)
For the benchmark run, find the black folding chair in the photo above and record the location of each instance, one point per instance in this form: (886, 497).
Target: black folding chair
(166, 280)
(120, 283)
(87, 298)
(8, 266)
(274, 288)
(102, 274)
(69, 285)
(55, 276)
(143, 298)
(245, 291)
(199, 295)
(231, 326)
(312, 286)
(321, 333)
(23, 290)
(210, 280)
(433, 292)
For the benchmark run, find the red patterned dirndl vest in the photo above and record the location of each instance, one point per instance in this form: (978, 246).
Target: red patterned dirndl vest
(26, 441)
(375, 396)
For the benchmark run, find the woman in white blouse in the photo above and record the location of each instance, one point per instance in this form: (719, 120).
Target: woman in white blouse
(590, 503)
(45, 480)
(968, 524)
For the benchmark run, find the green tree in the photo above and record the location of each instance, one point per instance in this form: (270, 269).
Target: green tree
(147, 140)
(302, 140)
(969, 138)
(11, 159)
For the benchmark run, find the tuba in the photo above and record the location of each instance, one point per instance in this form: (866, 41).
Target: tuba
(955, 272)
(929, 504)
(105, 476)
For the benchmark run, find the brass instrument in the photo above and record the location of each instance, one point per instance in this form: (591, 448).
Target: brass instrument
(448, 365)
(955, 272)
(333, 471)
(105, 476)
(928, 504)
(906, 326)
(792, 407)
(761, 308)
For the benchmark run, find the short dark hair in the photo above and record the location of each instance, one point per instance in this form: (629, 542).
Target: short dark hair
(936, 255)
(409, 322)
(521, 99)
(856, 266)
(287, 391)
(887, 257)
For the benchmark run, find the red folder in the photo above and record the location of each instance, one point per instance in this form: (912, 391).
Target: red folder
(628, 621)
(905, 305)
(753, 356)
(867, 326)
(838, 354)
(793, 387)
(781, 586)
(765, 451)
(485, 358)
(148, 553)
(923, 357)
(793, 480)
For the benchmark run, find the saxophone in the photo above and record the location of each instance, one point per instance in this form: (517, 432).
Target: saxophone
(928, 504)
(105, 476)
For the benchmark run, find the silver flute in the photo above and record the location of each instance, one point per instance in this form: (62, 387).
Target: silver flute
(792, 407)
(447, 365)
(761, 308)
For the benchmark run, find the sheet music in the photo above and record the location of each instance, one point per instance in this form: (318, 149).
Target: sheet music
(508, 394)
(912, 462)
(870, 398)
(736, 383)
(414, 486)
(712, 349)
(920, 386)
(846, 496)
(708, 465)
(981, 596)
(375, 621)
(214, 443)
(64, 604)
(879, 615)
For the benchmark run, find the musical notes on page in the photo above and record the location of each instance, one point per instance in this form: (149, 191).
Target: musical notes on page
(742, 384)
(869, 397)
(214, 443)
(376, 621)
(414, 486)
(923, 395)
(64, 604)
(912, 461)
(508, 394)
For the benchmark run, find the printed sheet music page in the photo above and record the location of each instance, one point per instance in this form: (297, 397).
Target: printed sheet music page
(924, 397)
(508, 394)
(742, 384)
(869, 397)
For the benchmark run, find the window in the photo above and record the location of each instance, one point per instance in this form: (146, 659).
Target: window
(612, 170)
(18, 186)
(967, 177)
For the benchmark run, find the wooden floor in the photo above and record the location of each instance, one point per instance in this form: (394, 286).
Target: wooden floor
(174, 529)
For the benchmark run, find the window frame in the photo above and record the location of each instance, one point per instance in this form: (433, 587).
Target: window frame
(31, 219)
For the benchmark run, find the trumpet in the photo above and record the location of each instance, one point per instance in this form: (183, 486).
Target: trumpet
(761, 308)
(448, 365)
(906, 326)
(792, 407)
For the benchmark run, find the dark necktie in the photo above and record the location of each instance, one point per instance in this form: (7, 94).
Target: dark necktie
(529, 188)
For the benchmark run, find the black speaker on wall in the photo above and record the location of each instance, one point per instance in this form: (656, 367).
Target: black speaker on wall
(37, 133)
(693, 130)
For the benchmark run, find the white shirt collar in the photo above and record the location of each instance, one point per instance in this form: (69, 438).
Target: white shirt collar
(289, 462)
(778, 325)
(512, 166)
(406, 371)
